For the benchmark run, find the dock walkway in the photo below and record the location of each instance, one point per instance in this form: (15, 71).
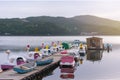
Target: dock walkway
(12, 75)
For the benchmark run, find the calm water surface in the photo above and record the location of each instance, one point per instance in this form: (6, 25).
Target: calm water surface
(102, 66)
(99, 66)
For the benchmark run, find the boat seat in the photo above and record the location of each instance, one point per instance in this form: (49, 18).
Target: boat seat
(29, 64)
(24, 67)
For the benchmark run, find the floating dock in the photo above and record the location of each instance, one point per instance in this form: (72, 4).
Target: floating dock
(38, 73)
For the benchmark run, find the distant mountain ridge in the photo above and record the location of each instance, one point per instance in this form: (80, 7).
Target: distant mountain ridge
(55, 26)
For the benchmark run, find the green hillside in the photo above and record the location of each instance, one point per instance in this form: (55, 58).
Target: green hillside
(53, 26)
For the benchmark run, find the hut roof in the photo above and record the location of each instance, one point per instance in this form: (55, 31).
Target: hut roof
(94, 38)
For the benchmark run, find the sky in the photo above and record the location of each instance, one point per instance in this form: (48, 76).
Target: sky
(65, 8)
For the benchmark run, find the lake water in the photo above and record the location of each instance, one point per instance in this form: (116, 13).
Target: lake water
(103, 66)
(98, 66)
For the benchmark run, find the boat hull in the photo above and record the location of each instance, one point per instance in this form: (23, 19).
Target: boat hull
(67, 70)
(6, 67)
(44, 62)
(21, 71)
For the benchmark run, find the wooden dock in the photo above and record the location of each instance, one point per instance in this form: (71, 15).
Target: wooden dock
(35, 74)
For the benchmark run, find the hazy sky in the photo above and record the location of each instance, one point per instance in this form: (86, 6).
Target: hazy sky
(66, 8)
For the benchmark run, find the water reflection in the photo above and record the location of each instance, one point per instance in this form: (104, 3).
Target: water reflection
(94, 55)
(81, 61)
(67, 73)
(82, 57)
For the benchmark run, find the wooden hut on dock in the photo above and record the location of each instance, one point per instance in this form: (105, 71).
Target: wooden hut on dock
(94, 43)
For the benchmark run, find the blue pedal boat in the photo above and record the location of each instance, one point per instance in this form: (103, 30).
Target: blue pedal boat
(24, 68)
(44, 62)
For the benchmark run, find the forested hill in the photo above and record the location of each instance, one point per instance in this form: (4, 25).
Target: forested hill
(53, 26)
